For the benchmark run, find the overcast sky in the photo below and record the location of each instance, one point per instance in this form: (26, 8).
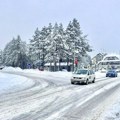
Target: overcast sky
(100, 19)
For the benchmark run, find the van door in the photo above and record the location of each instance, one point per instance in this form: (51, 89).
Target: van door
(91, 75)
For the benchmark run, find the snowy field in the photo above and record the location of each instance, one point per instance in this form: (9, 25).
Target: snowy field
(11, 83)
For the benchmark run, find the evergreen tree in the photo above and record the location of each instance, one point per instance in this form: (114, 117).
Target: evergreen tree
(1, 57)
(52, 48)
(60, 45)
(53, 44)
(14, 52)
(39, 46)
(34, 49)
(44, 42)
(76, 45)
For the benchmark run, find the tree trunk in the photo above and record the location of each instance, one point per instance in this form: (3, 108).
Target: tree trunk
(67, 63)
(55, 66)
(59, 65)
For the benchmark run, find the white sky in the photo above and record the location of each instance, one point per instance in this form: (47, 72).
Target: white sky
(98, 18)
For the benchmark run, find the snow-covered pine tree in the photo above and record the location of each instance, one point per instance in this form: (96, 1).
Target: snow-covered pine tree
(55, 46)
(86, 60)
(60, 44)
(34, 48)
(52, 48)
(6, 53)
(49, 54)
(23, 58)
(44, 42)
(14, 53)
(1, 56)
(39, 45)
(72, 39)
(76, 44)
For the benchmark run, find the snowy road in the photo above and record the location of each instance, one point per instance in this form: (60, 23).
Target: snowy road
(54, 98)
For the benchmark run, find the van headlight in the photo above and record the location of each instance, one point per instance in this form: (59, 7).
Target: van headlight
(81, 77)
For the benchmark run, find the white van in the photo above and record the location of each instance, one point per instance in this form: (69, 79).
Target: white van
(83, 76)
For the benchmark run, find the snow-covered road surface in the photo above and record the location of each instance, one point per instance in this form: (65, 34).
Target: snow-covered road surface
(52, 97)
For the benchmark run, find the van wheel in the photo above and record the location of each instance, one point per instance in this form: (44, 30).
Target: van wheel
(87, 81)
(93, 80)
(72, 82)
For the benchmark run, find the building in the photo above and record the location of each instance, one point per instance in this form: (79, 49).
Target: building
(96, 59)
(111, 61)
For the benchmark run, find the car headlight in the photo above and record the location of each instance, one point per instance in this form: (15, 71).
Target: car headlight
(85, 78)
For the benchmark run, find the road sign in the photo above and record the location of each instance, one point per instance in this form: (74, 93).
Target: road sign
(76, 61)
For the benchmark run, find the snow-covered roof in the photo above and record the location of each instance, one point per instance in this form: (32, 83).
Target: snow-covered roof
(109, 61)
(112, 55)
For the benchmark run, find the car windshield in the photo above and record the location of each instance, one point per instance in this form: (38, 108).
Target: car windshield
(81, 72)
(111, 71)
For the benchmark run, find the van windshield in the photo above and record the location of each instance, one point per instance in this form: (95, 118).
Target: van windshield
(81, 72)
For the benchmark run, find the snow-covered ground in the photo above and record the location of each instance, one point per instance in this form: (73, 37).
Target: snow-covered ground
(61, 74)
(13, 82)
(10, 82)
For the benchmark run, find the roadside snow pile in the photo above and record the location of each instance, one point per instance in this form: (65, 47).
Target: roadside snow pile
(13, 82)
(10, 69)
(58, 74)
(38, 72)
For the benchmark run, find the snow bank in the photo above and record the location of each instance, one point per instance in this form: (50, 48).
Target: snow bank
(61, 74)
(36, 71)
(8, 69)
(13, 82)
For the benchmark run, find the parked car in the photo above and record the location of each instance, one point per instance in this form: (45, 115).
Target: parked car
(111, 73)
(83, 76)
(117, 70)
(103, 70)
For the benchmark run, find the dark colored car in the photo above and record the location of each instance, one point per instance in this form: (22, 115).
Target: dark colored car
(111, 73)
